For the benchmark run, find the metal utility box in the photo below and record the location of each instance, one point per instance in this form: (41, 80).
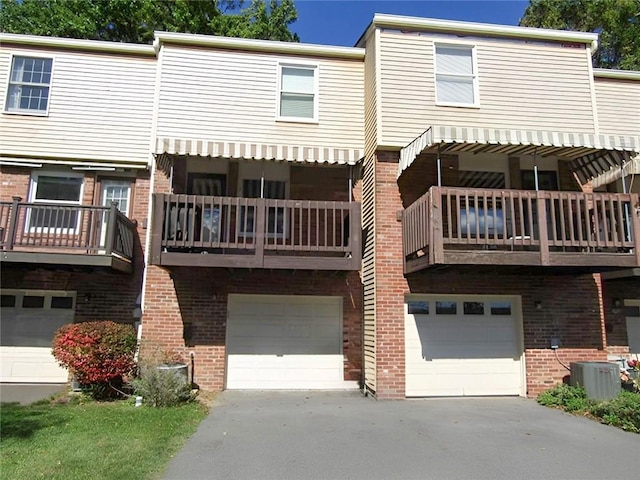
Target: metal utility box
(601, 380)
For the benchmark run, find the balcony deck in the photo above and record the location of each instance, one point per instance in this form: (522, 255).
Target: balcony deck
(557, 230)
(63, 235)
(194, 230)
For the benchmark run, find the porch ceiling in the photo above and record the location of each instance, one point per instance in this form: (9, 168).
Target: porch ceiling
(257, 151)
(591, 155)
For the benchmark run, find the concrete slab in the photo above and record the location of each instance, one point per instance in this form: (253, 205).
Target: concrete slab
(26, 393)
(341, 435)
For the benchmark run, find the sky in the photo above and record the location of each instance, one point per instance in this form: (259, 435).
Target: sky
(341, 22)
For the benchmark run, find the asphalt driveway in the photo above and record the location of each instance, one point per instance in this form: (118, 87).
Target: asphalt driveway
(340, 435)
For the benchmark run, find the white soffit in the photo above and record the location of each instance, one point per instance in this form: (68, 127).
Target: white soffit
(258, 151)
(513, 142)
(77, 164)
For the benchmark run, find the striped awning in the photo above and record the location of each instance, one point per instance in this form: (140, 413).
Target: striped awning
(631, 167)
(257, 151)
(570, 146)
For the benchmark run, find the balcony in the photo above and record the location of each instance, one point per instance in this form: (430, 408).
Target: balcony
(232, 232)
(568, 231)
(63, 235)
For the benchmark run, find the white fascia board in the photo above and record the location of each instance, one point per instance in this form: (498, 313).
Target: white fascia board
(618, 74)
(267, 46)
(76, 44)
(508, 31)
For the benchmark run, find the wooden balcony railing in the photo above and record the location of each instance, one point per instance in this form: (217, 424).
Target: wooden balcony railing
(450, 225)
(193, 230)
(66, 234)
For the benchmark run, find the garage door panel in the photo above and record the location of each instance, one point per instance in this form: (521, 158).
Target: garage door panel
(452, 355)
(284, 342)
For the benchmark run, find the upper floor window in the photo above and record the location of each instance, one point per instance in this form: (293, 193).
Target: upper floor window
(298, 99)
(456, 76)
(29, 85)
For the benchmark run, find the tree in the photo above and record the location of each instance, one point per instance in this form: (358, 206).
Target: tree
(617, 22)
(134, 21)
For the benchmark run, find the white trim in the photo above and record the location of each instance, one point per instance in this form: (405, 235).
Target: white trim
(592, 88)
(76, 44)
(457, 27)
(113, 182)
(32, 113)
(258, 45)
(38, 162)
(618, 74)
(474, 76)
(33, 188)
(316, 80)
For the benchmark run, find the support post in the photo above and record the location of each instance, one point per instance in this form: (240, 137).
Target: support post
(436, 245)
(261, 213)
(111, 227)
(13, 222)
(542, 228)
(157, 217)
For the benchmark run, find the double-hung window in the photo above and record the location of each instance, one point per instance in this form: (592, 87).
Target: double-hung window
(456, 76)
(63, 193)
(298, 99)
(29, 85)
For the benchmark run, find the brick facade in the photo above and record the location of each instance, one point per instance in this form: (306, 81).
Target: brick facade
(185, 309)
(101, 294)
(192, 303)
(570, 305)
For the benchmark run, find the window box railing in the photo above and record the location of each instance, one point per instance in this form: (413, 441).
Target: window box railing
(255, 233)
(450, 225)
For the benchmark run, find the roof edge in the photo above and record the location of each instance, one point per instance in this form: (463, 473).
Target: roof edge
(619, 74)
(509, 31)
(77, 44)
(259, 45)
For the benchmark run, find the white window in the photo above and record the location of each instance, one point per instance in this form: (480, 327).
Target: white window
(29, 85)
(298, 99)
(456, 76)
(55, 189)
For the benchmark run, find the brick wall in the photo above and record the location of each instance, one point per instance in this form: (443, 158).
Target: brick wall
(570, 308)
(101, 294)
(192, 303)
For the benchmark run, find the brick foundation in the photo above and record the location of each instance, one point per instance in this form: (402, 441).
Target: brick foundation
(570, 305)
(192, 303)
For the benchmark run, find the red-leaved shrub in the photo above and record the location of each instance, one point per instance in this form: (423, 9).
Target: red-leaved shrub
(96, 353)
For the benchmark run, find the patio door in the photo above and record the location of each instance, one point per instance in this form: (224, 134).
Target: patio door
(118, 191)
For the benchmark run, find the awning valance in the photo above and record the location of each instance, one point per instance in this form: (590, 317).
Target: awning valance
(570, 146)
(257, 151)
(631, 167)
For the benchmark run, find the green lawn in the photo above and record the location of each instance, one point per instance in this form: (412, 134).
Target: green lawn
(90, 440)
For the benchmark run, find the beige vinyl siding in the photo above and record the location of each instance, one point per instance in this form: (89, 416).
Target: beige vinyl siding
(618, 103)
(522, 85)
(368, 212)
(368, 271)
(232, 96)
(100, 108)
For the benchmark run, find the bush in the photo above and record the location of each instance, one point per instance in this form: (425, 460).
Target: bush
(162, 388)
(622, 411)
(98, 354)
(570, 398)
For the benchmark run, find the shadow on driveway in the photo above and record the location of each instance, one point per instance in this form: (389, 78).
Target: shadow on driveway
(342, 435)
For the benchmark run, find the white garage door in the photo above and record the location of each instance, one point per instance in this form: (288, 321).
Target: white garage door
(632, 313)
(29, 321)
(284, 342)
(463, 346)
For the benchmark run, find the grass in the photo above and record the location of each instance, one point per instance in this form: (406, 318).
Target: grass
(89, 440)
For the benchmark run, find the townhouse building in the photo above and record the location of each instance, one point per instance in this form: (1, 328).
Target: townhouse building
(446, 209)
